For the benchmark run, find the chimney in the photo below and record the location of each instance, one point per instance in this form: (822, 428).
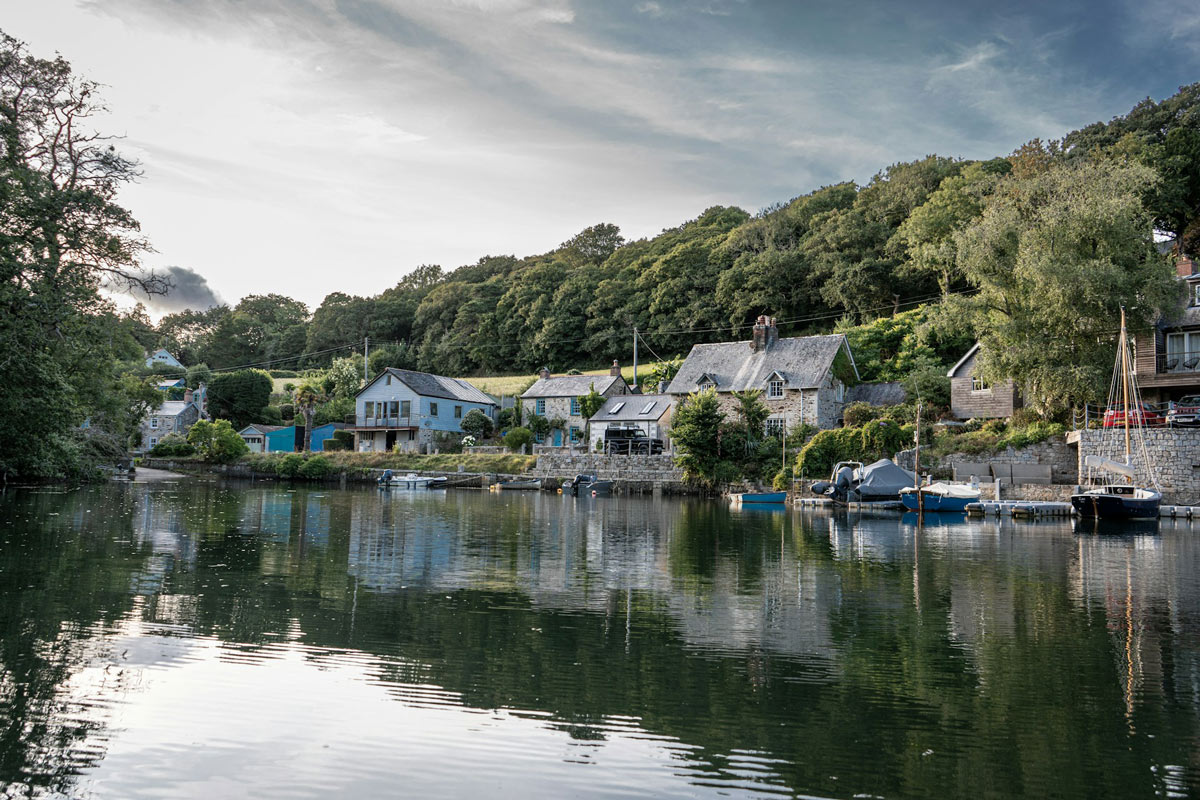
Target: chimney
(1185, 267)
(187, 396)
(764, 333)
(615, 369)
(201, 399)
(544, 373)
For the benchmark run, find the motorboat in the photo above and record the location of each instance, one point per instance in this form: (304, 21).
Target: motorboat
(851, 482)
(585, 484)
(526, 485)
(410, 481)
(940, 497)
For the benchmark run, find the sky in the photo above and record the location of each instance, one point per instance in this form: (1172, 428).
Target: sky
(311, 146)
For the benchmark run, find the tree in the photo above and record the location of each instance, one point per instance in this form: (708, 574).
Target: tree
(307, 396)
(518, 438)
(198, 374)
(1054, 256)
(240, 396)
(589, 405)
(62, 235)
(695, 428)
(754, 413)
(477, 424)
(345, 376)
(217, 441)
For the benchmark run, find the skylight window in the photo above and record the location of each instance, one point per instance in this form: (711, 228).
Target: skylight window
(617, 408)
(648, 406)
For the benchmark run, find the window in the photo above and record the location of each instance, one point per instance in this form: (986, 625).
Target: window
(646, 409)
(704, 387)
(1196, 294)
(775, 389)
(406, 408)
(393, 409)
(575, 434)
(154, 422)
(539, 407)
(574, 406)
(775, 426)
(617, 408)
(839, 393)
(978, 384)
(153, 441)
(458, 412)
(1183, 352)
(389, 380)
(539, 437)
(433, 409)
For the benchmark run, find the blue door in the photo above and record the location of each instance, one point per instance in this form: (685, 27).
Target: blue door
(557, 437)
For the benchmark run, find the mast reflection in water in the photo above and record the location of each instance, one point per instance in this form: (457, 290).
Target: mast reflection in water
(196, 639)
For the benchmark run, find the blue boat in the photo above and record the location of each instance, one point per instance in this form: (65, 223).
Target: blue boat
(940, 497)
(760, 497)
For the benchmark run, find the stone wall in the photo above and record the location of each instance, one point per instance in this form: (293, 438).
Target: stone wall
(1062, 458)
(634, 473)
(1174, 457)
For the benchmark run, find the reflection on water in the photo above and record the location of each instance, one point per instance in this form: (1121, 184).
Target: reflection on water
(197, 640)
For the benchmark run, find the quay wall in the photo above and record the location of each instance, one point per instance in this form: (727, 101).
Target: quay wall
(1061, 457)
(1173, 458)
(633, 474)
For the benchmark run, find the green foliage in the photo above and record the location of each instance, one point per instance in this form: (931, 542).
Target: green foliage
(217, 442)
(518, 438)
(289, 465)
(315, 468)
(173, 445)
(198, 374)
(477, 424)
(344, 377)
(271, 415)
(695, 428)
(754, 413)
(239, 397)
(591, 403)
(929, 384)
(866, 443)
(336, 410)
(539, 426)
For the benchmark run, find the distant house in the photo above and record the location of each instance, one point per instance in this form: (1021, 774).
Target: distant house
(880, 394)
(405, 409)
(269, 438)
(650, 413)
(1167, 361)
(161, 356)
(557, 397)
(173, 416)
(803, 378)
(166, 386)
(972, 397)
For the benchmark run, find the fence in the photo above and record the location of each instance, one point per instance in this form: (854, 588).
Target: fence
(1153, 415)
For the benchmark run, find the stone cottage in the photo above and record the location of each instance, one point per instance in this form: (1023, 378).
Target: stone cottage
(802, 378)
(557, 397)
(173, 416)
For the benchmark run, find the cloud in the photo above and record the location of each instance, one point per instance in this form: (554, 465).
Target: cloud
(189, 290)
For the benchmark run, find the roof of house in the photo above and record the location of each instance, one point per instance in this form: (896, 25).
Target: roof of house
(265, 428)
(803, 361)
(634, 408)
(570, 385)
(428, 385)
(337, 426)
(877, 394)
(171, 408)
(170, 384)
(974, 349)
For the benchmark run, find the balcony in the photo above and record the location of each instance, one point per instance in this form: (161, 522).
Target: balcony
(1185, 363)
(382, 423)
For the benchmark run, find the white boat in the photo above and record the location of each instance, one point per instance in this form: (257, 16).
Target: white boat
(410, 481)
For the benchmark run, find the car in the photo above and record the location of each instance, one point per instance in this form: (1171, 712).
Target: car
(1147, 416)
(630, 441)
(1185, 412)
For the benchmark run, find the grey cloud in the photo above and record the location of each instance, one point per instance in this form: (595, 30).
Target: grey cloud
(189, 289)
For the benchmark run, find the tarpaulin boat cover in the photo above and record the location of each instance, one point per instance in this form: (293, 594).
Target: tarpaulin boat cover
(883, 480)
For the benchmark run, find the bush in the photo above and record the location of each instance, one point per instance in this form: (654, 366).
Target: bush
(271, 415)
(477, 424)
(217, 441)
(334, 411)
(333, 445)
(859, 413)
(517, 438)
(782, 481)
(344, 437)
(1031, 434)
(287, 411)
(284, 373)
(289, 466)
(315, 468)
(173, 445)
(1023, 417)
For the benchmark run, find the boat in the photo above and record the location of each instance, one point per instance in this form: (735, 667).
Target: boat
(533, 483)
(940, 497)
(878, 483)
(585, 484)
(410, 481)
(1119, 495)
(759, 497)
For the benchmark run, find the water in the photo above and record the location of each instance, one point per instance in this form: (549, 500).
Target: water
(196, 639)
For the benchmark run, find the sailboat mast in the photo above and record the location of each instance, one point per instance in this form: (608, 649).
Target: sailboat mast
(1125, 385)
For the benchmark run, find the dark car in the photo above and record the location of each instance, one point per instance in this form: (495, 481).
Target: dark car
(1185, 412)
(630, 441)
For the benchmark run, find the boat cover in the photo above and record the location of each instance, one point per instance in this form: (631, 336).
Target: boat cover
(883, 480)
(956, 490)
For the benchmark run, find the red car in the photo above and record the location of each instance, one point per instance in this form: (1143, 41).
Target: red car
(1147, 416)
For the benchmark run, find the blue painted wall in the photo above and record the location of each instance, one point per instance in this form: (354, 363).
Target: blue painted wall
(320, 434)
(282, 441)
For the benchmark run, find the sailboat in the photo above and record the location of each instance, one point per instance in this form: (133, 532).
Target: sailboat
(1119, 496)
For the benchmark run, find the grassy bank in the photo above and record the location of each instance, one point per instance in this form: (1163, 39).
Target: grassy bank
(340, 462)
(514, 384)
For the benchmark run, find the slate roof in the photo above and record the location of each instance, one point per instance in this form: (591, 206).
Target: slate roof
(802, 360)
(570, 385)
(631, 410)
(265, 428)
(178, 382)
(953, 370)
(428, 385)
(170, 408)
(877, 394)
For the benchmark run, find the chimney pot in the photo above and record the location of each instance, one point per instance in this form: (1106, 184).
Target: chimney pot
(615, 369)
(1185, 267)
(544, 373)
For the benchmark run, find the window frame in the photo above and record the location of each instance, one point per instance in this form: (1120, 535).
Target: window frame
(433, 409)
(575, 411)
(539, 406)
(458, 412)
(775, 389)
(773, 425)
(978, 384)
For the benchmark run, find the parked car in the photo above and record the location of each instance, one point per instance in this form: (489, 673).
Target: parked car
(1146, 416)
(630, 441)
(1185, 412)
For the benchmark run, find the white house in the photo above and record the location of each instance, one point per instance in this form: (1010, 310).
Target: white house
(161, 356)
(651, 413)
(405, 409)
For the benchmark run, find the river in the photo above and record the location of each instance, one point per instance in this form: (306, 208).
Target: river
(201, 639)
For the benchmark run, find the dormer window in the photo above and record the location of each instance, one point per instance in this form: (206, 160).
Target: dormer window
(1196, 294)
(704, 387)
(775, 389)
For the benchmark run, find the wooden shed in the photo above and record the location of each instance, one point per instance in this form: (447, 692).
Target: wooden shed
(971, 396)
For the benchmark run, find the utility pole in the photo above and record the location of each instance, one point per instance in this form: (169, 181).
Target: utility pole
(366, 353)
(635, 338)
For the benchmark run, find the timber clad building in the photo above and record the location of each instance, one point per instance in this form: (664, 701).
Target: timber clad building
(803, 379)
(971, 397)
(402, 409)
(1167, 361)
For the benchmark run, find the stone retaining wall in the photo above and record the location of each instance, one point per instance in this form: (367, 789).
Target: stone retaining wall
(1060, 456)
(1174, 457)
(632, 473)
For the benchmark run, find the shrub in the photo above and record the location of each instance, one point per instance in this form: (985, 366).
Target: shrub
(287, 411)
(271, 416)
(1023, 417)
(315, 468)
(518, 438)
(1031, 434)
(217, 441)
(334, 411)
(333, 445)
(284, 373)
(477, 424)
(172, 445)
(346, 438)
(289, 466)
(996, 426)
(782, 480)
(859, 413)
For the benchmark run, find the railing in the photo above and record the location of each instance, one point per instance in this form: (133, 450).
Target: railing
(1184, 363)
(1092, 416)
(363, 421)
